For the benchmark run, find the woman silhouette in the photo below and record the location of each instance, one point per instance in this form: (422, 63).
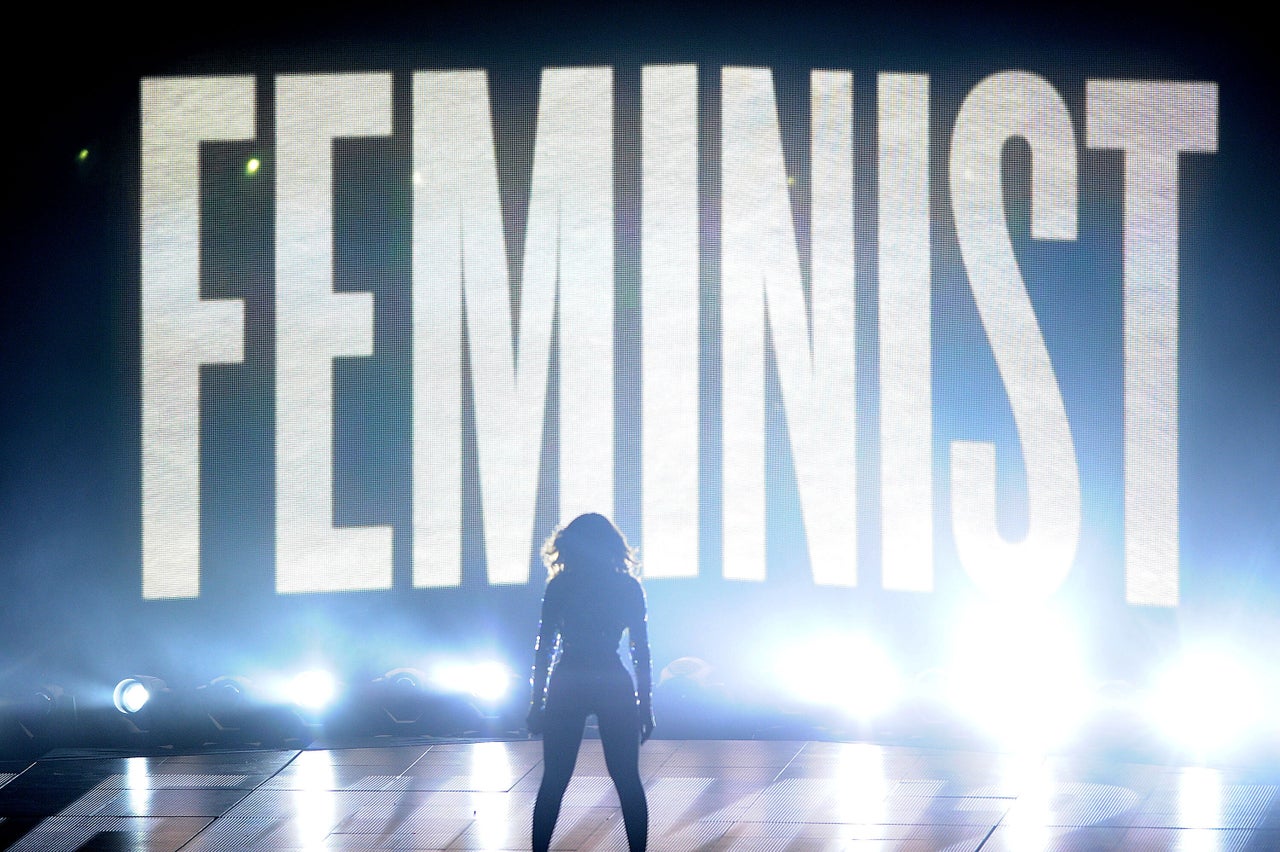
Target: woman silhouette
(592, 596)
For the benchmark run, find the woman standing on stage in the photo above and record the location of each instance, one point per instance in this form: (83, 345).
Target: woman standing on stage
(592, 596)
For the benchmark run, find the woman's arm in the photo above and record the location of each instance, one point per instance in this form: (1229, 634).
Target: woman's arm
(638, 631)
(543, 646)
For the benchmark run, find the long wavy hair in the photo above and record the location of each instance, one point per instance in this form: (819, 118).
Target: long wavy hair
(589, 542)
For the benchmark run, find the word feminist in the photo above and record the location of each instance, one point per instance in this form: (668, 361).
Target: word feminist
(460, 274)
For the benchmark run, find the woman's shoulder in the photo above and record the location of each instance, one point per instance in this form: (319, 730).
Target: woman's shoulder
(613, 582)
(625, 578)
(556, 585)
(631, 585)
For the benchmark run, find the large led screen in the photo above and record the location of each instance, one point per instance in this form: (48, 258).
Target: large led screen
(309, 347)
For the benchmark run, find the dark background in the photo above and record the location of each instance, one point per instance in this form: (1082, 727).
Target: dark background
(71, 608)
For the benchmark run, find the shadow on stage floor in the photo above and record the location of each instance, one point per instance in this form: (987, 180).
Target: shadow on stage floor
(703, 794)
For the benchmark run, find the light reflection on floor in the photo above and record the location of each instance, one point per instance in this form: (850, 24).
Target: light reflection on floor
(314, 808)
(703, 795)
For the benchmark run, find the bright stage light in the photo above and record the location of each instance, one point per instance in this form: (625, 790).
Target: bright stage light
(404, 681)
(487, 681)
(224, 699)
(1206, 700)
(42, 700)
(133, 693)
(313, 689)
(852, 673)
(133, 697)
(1017, 673)
(401, 696)
(227, 690)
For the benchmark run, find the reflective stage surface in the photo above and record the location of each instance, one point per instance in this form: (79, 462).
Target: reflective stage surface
(703, 794)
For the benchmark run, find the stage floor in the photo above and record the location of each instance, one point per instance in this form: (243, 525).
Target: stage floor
(703, 794)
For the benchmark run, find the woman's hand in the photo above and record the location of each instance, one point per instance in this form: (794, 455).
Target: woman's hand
(536, 718)
(646, 725)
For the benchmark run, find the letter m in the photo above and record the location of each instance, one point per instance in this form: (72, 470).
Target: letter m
(460, 276)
